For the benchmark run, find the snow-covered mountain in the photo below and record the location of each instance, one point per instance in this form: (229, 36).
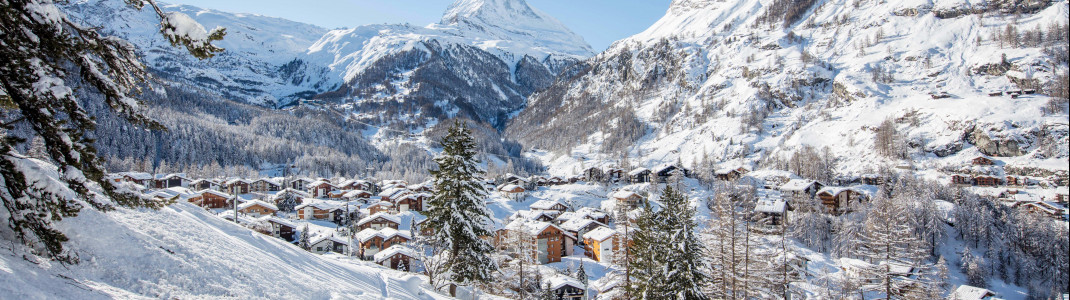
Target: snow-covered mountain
(480, 61)
(737, 82)
(262, 63)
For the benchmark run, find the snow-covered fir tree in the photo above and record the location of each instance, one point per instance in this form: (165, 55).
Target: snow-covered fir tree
(46, 56)
(458, 211)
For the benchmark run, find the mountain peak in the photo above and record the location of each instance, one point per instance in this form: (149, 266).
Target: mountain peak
(512, 25)
(488, 10)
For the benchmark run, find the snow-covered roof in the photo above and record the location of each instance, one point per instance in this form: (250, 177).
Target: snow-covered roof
(171, 192)
(268, 180)
(277, 220)
(776, 206)
(236, 181)
(511, 188)
(591, 212)
(355, 193)
(330, 237)
(578, 223)
(214, 192)
(317, 205)
(210, 181)
(545, 204)
(394, 192)
(531, 227)
(531, 214)
(388, 232)
(383, 215)
(298, 192)
(137, 175)
(796, 185)
(254, 202)
(638, 171)
(600, 234)
(394, 250)
(560, 281)
(622, 194)
(966, 292)
(367, 234)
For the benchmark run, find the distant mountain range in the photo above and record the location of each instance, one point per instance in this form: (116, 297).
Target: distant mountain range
(713, 82)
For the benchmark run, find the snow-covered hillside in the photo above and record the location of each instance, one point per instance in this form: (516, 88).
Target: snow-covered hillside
(183, 251)
(480, 61)
(261, 64)
(738, 81)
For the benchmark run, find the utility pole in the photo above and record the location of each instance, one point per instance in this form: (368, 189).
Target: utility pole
(236, 209)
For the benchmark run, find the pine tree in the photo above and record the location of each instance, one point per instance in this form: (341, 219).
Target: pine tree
(684, 269)
(304, 241)
(44, 56)
(458, 209)
(645, 255)
(676, 271)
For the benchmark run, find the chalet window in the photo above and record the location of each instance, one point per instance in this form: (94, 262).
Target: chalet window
(319, 248)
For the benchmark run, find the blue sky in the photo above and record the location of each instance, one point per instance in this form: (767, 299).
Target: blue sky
(600, 22)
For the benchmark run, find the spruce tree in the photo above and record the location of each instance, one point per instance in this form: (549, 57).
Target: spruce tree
(668, 259)
(458, 209)
(44, 57)
(684, 264)
(645, 254)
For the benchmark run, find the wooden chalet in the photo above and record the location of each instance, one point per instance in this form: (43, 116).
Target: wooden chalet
(265, 185)
(172, 180)
(602, 243)
(982, 161)
(961, 180)
(314, 211)
(566, 288)
(371, 241)
(615, 174)
(551, 243)
(409, 202)
(397, 257)
(356, 194)
(639, 175)
(206, 184)
(237, 186)
(257, 208)
(300, 184)
(281, 228)
(985, 180)
(139, 178)
(544, 205)
(380, 207)
(729, 174)
(837, 199)
(771, 211)
(800, 189)
(629, 199)
(664, 173)
(321, 188)
(211, 199)
(329, 243)
(578, 226)
(379, 221)
(1062, 194)
(394, 193)
(513, 192)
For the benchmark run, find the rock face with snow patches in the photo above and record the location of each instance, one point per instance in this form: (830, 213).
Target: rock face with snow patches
(480, 61)
(740, 81)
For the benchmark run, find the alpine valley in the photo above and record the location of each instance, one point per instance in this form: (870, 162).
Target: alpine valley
(858, 149)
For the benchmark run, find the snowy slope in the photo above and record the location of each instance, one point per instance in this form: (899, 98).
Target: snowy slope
(262, 62)
(732, 82)
(183, 251)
